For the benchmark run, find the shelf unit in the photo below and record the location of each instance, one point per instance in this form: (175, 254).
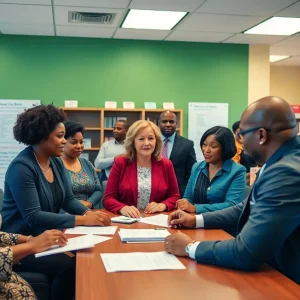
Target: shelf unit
(94, 120)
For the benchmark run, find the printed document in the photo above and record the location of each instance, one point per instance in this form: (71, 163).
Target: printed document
(159, 220)
(140, 261)
(107, 230)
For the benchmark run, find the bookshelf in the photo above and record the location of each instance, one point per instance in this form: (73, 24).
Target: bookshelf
(98, 122)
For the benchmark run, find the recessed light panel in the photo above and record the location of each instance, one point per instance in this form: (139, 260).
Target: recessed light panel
(276, 26)
(152, 19)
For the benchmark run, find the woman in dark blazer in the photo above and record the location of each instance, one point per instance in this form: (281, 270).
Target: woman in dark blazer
(36, 188)
(141, 179)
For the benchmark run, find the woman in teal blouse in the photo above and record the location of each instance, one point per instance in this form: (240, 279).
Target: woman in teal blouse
(83, 177)
(217, 182)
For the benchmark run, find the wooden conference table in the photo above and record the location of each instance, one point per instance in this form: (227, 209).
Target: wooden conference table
(195, 282)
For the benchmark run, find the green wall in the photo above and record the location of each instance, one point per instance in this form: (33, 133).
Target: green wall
(54, 69)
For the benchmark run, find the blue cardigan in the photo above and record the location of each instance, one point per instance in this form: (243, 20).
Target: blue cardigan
(28, 201)
(226, 189)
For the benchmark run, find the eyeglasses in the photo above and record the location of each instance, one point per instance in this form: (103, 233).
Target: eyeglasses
(243, 132)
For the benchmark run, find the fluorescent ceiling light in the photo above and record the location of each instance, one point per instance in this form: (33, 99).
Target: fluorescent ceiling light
(274, 58)
(276, 26)
(152, 19)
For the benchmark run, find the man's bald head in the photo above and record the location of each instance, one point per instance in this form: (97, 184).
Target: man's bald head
(167, 123)
(271, 113)
(265, 125)
(167, 113)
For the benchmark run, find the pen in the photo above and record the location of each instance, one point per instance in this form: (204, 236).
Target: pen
(159, 228)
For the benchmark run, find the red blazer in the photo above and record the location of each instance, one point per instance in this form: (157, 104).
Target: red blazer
(122, 185)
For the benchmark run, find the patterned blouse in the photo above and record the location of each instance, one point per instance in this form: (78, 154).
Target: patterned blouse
(12, 286)
(85, 183)
(144, 187)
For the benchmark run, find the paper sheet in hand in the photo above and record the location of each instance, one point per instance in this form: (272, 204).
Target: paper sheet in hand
(159, 220)
(143, 235)
(107, 230)
(81, 242)
(77, 243)
(140, 261)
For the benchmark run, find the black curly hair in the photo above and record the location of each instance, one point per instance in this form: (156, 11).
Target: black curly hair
(35, 124)
(72, 128)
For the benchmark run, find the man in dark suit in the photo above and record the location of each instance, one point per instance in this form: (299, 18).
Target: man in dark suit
(268, 221)
(178, 149)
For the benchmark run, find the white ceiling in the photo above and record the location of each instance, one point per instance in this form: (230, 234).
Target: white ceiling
(216, 21)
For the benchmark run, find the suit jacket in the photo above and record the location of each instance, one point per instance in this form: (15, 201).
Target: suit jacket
(271, 231)
(226, 188)
(28, 206)
(122, 185)
(183, 157)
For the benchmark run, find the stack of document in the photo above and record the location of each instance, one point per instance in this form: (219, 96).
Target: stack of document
(77, 243)
(143, 235)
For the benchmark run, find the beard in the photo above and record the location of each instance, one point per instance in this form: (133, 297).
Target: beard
(255, 155)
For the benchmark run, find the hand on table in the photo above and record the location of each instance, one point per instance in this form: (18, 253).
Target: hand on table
(130, 211)
(154, 207)
(176, 243)
(96, 218)
(185, 205)
(180, 218)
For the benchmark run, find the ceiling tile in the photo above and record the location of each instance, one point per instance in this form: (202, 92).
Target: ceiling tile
(175, 5)
(254, 39)
(281, 50)
(26, 29)
(94, 3)
(218, 23)
(61, 15)
(141, 34)
(84, 31)
(25, 14)
(37, 2)
(293, 61)
(245, 7)
(197, 36)
(291, 11)
(293, 41)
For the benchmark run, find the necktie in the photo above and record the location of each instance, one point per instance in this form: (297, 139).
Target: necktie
(164, 152)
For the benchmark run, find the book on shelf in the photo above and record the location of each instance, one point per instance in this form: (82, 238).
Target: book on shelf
(87, 143)
(109, 122)
(155, 121)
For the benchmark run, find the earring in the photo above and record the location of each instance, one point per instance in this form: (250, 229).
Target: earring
(261, 143)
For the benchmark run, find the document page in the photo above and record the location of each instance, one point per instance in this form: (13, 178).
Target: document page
(159, 220)
(140, 261)
(107, 230)
(81, 242)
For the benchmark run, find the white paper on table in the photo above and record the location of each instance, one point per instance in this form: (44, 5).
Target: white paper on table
(80, 242)
(140, 261)
(99, 239)
(106, 230)
(159, 220)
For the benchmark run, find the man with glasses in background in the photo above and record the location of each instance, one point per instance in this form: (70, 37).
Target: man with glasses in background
(178, 149)
(268, 221)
